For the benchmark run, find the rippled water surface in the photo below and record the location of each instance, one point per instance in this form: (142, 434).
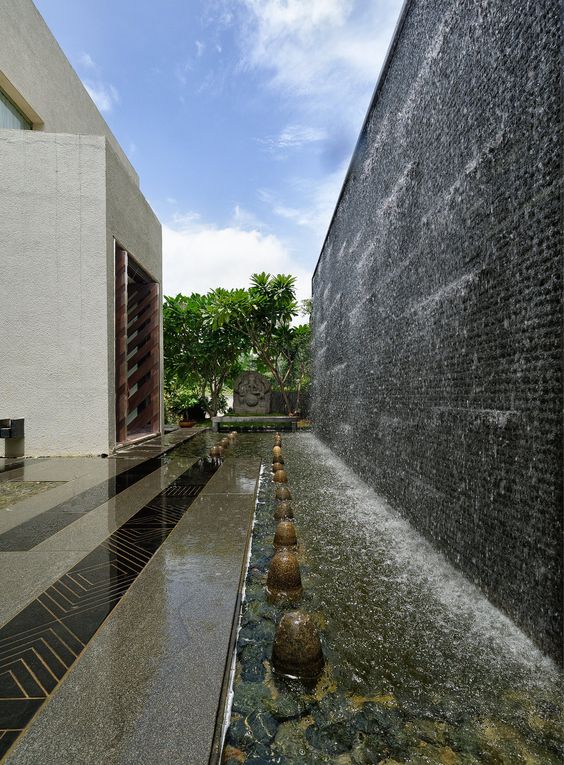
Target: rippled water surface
(421, 668)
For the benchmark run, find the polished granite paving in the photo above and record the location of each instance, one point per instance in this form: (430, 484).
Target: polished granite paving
(14, 491)
(41, 642)
(38, 529)
(39, 645)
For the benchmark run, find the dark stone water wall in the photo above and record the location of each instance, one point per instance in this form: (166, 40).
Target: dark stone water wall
(437, 298)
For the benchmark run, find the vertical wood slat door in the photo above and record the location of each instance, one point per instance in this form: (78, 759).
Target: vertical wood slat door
(144, 359)
(137, 326)
(121, 345)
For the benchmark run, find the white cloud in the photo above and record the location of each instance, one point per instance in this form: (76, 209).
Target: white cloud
(294, 137)
(86, 60)
(200, 48)
(325, 54)
(322, 196)
(104, 94)
(199, 257)
(245, 219)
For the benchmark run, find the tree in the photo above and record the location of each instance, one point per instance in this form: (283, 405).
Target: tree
(262, 315)
(199, 356)
(300, 377)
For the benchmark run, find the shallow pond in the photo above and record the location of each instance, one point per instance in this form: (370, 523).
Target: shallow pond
(421, 668)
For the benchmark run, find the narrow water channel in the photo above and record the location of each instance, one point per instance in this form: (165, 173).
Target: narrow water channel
(421, 668)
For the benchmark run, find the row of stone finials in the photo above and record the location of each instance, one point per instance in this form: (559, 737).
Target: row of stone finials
(296, 651)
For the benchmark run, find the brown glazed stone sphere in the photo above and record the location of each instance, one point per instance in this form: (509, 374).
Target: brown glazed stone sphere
(285, 535)
(276, 452)
(216, 451)
(283, 493)
(278, 458)
(283, 510)
(284, 581)
(297, 651)
(277, 466)
(233, 434)
(281, 476)
(225, 442)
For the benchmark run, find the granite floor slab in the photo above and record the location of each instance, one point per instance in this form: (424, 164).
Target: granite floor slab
(80, 474)
(38, 568)
(147, 688)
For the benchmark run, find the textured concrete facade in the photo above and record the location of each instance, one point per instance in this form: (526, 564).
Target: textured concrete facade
(68, 193)
(437, 298)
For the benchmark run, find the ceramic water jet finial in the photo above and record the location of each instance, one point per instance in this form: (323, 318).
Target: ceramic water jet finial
(285, 535)
(225, 442)
(297, 652)
(216, 451)
(283, 493)
(283, 510)
(276, 452)
(278, 458)
(232, 435)
(281, 476)
(277, 466)
(284, 581)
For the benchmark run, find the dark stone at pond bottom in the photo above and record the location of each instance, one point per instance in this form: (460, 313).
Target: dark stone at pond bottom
(409, 718)
(331, 739)
(286, 707)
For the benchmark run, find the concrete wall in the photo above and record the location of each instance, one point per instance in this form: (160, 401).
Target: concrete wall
(38, 77)
(132, 223)
(437, 298)
(53, 316)
(67, 191)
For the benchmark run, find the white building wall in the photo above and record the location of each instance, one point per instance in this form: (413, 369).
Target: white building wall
(67, 190)
(54, 282)
(36, 74)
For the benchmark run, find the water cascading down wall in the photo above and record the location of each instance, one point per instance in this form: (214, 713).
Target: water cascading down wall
(437, 298)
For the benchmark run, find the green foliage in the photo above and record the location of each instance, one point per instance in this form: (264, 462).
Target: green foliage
(263, 315)
(178, 398)
(200, 359)
(210, 339)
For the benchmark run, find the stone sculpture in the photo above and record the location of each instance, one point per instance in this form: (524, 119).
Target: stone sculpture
(251, 394)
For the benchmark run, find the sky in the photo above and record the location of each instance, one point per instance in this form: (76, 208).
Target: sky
(240, 117)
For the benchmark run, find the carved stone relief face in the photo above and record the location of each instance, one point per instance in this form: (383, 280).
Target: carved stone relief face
(252, 391)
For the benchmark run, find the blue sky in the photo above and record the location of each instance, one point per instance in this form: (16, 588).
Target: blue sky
(240, 118)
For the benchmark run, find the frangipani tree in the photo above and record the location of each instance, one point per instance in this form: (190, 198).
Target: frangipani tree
(198, 354)
(262, 314)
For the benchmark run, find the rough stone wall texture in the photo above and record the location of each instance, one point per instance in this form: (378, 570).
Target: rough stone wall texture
(437, 298)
